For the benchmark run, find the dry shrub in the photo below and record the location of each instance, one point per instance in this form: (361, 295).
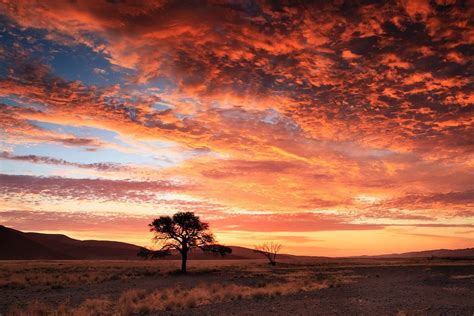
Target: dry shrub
(174, 298)
(259, 282)
(136, 301)
(129, 301)
(94, 307)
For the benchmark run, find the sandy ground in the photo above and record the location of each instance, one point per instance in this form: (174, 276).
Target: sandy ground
(357, 287)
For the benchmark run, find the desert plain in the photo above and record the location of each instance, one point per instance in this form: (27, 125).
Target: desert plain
(333, 286)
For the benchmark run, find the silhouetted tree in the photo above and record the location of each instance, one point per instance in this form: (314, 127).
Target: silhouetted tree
(269, 250)
(182, 232)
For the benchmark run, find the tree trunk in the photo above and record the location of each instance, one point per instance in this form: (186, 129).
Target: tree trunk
(184, 258)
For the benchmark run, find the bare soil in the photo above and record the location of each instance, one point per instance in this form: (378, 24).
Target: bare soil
(351, 286)
(394, 290)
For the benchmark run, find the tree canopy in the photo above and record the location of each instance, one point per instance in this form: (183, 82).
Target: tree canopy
(182, 232)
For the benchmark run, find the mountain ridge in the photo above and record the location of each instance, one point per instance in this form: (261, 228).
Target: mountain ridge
(441, 253)
(18, 245)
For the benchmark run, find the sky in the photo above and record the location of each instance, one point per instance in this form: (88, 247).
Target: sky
(334, 128)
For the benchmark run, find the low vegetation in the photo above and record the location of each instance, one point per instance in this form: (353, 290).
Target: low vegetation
(140, 301)
(141, 287)
(254, 281)
(57, 275)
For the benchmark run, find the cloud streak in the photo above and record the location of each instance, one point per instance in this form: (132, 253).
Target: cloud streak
(104, 167)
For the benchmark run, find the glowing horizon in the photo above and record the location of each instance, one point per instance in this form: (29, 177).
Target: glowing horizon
(334, 129)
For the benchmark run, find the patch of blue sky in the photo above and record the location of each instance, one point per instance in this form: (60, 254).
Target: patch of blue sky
(41, 170)
(71, 62)
(166, 153)
(6, 41)
(11, 37)
(82, 63)
(18, 102)
(162, 144)
(9, 101)
(176, 154)
(83, 131)
(26, 168)
(161, 106)
(80, 155)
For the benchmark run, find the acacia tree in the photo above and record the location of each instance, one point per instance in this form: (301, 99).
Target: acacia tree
(182, 232)
(269, 250)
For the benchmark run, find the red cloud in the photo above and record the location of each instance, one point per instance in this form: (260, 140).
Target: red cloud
(298, 108)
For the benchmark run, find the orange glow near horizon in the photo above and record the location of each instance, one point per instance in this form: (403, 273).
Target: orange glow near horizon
(333, 129)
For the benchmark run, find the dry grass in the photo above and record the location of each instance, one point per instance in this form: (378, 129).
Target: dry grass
(141, 287)
(268, 284)
(138, 301)
(135, 301)
(20, 274)
(58, 275)
(36, 273)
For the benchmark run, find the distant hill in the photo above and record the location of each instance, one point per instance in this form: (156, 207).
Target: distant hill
(438, 253)
(17, 245)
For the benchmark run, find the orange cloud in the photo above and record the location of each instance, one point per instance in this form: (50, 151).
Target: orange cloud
(364, 111)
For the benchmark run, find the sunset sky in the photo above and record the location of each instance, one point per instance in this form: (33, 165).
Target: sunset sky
(335, 128)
